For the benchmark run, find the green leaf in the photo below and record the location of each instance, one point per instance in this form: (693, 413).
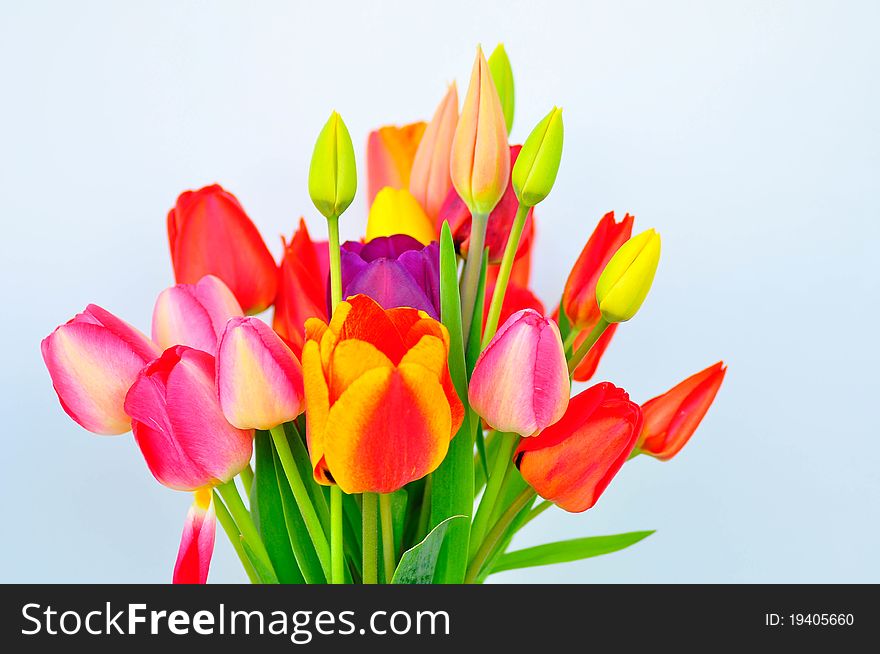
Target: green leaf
(476, 334)
(417, 565)
(269, 515)
(568, 550)
(264, 573)
(453, 482)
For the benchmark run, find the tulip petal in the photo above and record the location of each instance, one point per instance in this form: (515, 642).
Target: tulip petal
(430, 182)
(197, 541)
(317, 406)
(390, 153)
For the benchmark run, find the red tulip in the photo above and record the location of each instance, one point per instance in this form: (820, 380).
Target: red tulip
(579, 297)
(302, 287)
(210, 234)
(179, 426)
(572, 462)
(197, 541)
(672, 418)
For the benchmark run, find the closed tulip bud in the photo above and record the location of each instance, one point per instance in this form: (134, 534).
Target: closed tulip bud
(520, 382)
(194, 314)
(93, 360)
(626, 280)
(177, 422)
(259, 380)
(390, 156)
(380, 404)
(672, 418)
(572, 462)
(502, 75)
(430, 182)
(480, 161)
(396, 211)
(579, 297)
(332, 173)
(210, 234)
(534, 172)
(197, 541)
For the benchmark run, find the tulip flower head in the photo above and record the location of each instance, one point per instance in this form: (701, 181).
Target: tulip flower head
(194, 314)
(210, 234)
(626, 280)
(672, 418)
(179, 426)
(93, 360)
(259, 380)
(396, 211)
(579, 296)
(430, 182)
(197, 541)
(534, 172)
(572, 462)
(502, 75)
(480, 160)
(380, 404)
(520, 382)
(395, 271)
(391, 155)
(332, 172)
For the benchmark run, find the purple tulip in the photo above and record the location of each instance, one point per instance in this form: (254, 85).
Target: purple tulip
(396, 271)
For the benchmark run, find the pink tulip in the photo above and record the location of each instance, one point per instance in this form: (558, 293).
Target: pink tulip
(520, 383)
(197, 541)
(178, 424)
(429, 180)
(194, 314)
(93, 360)
(259, 379)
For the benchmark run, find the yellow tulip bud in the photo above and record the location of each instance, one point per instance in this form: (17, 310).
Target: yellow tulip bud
(627, 278)
(332, 173)
(502, 75)
(534, 172)
(396, 211)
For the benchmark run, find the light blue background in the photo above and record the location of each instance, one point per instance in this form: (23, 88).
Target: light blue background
(746, 132)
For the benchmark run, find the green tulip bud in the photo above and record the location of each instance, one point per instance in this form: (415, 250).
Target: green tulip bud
(332, 172)
(502, 75)
(538, 162)
(627, 278)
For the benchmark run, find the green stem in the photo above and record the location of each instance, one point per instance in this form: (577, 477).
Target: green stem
(335, 263)
(504, 273)
(234, 536)
(506, 446)
(425, 510)
(337, 557)
(568, 343)
(497, 533)
(470, 277)
(584, 347)
(371, 538)
(387, 535)
(247, 479)
(243, 520)
(303, 500)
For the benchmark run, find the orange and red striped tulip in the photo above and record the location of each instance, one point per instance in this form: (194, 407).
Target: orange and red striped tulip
(572, 462)
(380, 404)
(302, 287)
(672, 418)
(197, 541)
(210, 234)
(390, 154)
(429, 181)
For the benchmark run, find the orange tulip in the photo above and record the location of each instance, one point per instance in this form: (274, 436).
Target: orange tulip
(430, 182)
(672, 418)
(380, 404)
(390, 154)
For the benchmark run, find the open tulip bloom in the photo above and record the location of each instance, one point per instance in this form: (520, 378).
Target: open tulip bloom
(407, 407)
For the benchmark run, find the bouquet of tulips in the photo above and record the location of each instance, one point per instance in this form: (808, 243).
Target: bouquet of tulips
(409, 409)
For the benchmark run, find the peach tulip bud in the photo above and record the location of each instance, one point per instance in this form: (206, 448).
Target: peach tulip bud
(520, 383)
(194, 314)
(197, 541)
(396, 211)
(93, 360)
(259, 379)
(179, 426)
(572, 462)
(672, 418)
(480, 160)
(429, 181)
(390, 156)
